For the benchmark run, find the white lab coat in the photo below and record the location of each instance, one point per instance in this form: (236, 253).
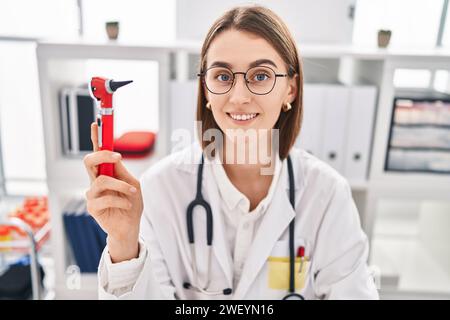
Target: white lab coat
(327, 224)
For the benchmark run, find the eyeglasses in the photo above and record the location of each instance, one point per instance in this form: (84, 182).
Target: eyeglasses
(259, 80)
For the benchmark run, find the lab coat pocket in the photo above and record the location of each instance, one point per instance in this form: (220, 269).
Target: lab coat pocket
(279, 266)
(278, 273)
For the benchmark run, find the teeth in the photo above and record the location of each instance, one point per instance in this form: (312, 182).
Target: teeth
(243, 117)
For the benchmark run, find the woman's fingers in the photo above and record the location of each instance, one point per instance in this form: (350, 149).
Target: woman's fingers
(123, 174)
(94, 136)
(92, 160)
(106, 183)
(98, 205)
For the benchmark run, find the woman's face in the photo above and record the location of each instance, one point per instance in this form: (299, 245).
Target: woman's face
(239, 108)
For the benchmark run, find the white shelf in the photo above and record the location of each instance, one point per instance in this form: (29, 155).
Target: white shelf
(307, 50)
(413, 265)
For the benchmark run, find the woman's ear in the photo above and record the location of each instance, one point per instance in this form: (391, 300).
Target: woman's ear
(207, 97)
(292, 88)
(205, 91)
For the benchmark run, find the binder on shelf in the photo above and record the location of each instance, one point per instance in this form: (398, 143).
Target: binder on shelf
(336, 98)
(310, 138)
(72, 232)
(77, 112)
(86, 238)
(93, 246)
(183, 104)
(338, 125)
(361, 115)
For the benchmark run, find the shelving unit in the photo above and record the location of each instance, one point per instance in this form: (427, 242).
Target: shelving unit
(62, 64)
(406, 188)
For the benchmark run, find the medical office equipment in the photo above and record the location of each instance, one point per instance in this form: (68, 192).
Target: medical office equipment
(102, 89)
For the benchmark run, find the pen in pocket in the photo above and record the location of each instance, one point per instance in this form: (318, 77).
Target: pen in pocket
(301, 255)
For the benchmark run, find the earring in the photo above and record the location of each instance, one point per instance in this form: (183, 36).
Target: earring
(287, 107)
(208, 105)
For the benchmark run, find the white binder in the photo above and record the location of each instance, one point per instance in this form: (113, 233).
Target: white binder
(361, 115)
(310, 138)
(183, 106)
(334, 125)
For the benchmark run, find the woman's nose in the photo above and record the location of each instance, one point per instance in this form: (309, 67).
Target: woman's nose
(239, 93)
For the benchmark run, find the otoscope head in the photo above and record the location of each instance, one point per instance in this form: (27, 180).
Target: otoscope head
(114, 85)
(100, 88)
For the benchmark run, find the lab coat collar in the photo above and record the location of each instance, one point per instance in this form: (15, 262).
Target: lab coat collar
(230, 194)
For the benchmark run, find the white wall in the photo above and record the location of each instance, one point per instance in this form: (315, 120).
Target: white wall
(140, 20)
(414, 23)
(318, 21)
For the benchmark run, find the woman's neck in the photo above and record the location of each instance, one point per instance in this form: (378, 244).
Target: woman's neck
(252, 178)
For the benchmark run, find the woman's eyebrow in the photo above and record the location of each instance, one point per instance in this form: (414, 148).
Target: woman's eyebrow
(251, 65)
(262, 61)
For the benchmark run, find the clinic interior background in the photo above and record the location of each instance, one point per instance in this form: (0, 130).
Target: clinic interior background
(377, 109)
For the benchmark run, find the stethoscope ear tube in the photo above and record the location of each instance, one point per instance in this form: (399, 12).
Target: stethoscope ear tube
(209, 220)
(199, 201)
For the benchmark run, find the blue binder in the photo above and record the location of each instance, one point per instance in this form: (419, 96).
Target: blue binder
(73, 231)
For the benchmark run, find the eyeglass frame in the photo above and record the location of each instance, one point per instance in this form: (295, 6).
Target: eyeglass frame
(277, 75)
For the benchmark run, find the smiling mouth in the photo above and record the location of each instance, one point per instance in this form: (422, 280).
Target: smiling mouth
(242, 117)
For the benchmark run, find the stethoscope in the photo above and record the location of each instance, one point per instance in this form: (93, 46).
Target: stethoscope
(200, 201)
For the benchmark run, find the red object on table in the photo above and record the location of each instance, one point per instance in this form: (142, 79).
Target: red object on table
(135, 144)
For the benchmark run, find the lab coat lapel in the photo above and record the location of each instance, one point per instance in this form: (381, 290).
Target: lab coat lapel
(220, 243)
(275, 221)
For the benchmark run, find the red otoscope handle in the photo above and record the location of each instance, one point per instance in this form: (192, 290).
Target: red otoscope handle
(106, 143)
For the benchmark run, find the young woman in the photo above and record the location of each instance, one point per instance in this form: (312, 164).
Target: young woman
(203, 225)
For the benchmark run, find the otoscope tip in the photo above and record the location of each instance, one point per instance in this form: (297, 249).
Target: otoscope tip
(114, 85)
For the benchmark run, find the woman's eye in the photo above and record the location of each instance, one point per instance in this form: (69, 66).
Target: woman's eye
(224, 77)
(261, 77)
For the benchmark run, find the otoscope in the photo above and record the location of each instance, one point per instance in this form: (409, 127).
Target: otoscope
(102, 90)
